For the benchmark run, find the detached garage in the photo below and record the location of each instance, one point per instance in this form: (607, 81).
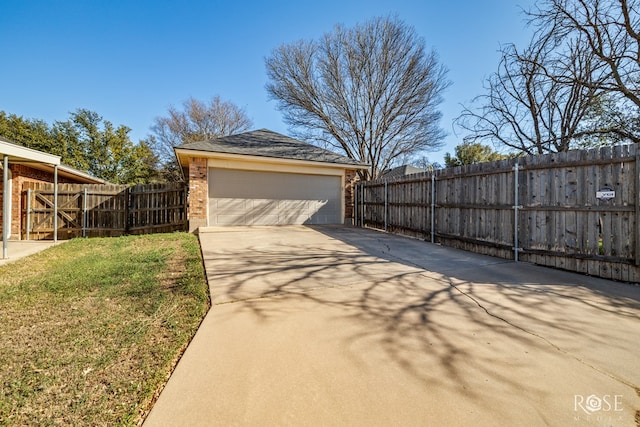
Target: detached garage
(265, 178)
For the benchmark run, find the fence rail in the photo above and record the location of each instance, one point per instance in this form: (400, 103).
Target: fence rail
(576, 211)
(103, 210)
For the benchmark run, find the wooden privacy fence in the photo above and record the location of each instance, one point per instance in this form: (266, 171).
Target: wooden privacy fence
(576, 211)
(103, 210)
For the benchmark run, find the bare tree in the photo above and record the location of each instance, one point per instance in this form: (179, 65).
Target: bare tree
(577, 84)
(609, 29)
(371, 91)
(197, 121)
(535, 103)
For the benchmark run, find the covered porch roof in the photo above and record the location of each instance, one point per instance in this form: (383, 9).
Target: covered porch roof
(14, 153)
(17, 153)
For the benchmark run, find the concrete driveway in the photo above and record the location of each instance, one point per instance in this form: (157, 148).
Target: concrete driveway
(346, 326)
(18, 249)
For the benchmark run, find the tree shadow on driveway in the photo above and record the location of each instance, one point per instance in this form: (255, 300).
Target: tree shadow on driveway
(495, 333)
(592, 319)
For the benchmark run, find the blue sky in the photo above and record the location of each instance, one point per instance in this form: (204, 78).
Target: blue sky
(129, 60)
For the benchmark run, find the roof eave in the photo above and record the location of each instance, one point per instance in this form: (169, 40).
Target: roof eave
(64, 171)
(183, 154)
(89, 179)
(19, 153)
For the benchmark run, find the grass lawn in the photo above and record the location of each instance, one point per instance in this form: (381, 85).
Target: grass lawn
(91, 329)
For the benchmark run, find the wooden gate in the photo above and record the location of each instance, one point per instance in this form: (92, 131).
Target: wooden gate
(102, 210)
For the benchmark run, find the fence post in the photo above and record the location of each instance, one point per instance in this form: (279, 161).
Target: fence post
(362, 207)
(516, 208)
(433, 206)
(55, 203)
(355, 204)
(386, 203)
(6, 213)
(637, 202)
(28, 213)
(84, 212)
(127, 223)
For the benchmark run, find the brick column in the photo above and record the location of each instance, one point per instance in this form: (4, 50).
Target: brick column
(198, 193)
(350, 178)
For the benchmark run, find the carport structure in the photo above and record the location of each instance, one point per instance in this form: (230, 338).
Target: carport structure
(12, 153)
(21, 166)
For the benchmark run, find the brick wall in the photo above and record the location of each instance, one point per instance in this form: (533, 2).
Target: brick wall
(198, 193)
(350, 179)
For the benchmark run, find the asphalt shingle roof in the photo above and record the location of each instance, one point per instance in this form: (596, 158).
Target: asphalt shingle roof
(266, 143)
(400, 171)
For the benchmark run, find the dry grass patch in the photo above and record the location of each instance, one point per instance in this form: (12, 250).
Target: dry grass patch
(90, 330)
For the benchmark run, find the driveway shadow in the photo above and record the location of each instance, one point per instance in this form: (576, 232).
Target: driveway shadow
(590, 318)
(480, 327)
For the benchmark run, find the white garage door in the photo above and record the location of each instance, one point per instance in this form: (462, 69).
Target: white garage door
(238, 197)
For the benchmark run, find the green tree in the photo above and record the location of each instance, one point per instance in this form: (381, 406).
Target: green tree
(141, 167)
(104, 150)
(68, 145)
(86, 142)
(29, 133)
(469, 153)
(610, 121)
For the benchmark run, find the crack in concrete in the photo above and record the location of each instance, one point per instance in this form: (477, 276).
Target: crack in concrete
(559, 349)
(556, 347)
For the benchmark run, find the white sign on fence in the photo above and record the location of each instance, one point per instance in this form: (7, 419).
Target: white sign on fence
(605, 194)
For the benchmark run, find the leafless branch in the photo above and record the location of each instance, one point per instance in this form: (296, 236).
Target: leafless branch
(568, 84)
(197, 121)
(370, 92)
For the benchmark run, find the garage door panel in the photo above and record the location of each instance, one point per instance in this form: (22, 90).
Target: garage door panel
(264, 205)
(293, 205)
(294, 219)
(263, 220)
(228, 206)
(272, 198)
(230, 220)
